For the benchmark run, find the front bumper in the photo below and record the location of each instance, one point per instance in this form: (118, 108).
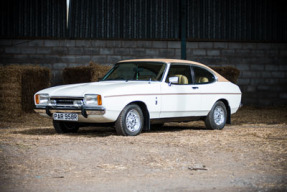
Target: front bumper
(84, 111)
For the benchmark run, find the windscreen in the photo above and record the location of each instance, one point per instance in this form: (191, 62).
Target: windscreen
(136, 71)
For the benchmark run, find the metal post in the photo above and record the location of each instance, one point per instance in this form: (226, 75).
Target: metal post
(183, 28)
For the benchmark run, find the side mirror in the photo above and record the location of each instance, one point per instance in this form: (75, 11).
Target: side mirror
(173, 80)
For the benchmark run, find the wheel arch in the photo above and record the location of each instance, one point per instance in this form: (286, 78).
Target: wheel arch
(145, 112)
(228, 120)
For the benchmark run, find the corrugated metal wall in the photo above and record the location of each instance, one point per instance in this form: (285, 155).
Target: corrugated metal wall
(32, 18)
(124, 19)
(239, 20)
(206, 20)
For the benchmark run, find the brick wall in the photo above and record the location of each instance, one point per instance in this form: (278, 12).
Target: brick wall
(263, 66)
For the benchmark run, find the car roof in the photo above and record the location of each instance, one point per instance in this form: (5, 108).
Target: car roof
(219, 77)
(162, 60)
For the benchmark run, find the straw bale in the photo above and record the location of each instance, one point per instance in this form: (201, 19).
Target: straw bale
(9, 75)
(34, 78)
(80, 74)
(10, 79)
(83, 74)
(8, 86)
(99, 71)
(10, 111)
(230, 73)
(10, 93)
(11, 100)
(18, 85)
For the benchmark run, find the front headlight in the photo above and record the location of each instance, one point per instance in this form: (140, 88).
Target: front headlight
(92, 100)
(42, 99)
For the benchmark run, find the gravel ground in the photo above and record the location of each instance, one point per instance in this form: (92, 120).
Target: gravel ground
(249, 155)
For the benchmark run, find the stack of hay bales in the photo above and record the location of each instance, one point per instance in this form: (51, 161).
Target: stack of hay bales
(18, 84)
(230, 73)
(83, 74)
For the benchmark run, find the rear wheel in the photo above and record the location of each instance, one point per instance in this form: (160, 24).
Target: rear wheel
(130, 122)
(66, 127)
(216, 118)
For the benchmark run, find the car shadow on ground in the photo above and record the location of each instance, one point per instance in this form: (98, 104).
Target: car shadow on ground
(87, 131)
(104, 131)
(175, 128)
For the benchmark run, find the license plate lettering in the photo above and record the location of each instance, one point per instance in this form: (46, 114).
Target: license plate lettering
(65, 116)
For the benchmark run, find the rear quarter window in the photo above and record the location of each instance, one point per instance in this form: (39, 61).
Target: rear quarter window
(203, 76)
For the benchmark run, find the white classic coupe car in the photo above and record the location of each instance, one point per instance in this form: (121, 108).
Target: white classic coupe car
(137, 93)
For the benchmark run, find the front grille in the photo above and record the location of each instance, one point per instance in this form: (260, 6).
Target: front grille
(66, 102)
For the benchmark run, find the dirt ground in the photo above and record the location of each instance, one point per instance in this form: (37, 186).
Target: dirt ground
(249, 155)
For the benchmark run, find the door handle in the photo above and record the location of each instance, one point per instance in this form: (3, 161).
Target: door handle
(194, 87)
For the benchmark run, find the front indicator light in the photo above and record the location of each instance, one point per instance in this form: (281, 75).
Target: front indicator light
(37, 99)
(92, 100)
(42, 99)
(99, 100)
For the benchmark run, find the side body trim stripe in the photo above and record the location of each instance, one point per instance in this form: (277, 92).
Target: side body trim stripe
(151, 94)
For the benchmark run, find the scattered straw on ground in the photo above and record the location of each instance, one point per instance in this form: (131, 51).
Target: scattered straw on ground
(249, 155)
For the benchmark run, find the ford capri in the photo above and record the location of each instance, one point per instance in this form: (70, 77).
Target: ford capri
(136, 94)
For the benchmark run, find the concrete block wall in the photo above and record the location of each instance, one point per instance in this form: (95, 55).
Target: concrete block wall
(263, 66)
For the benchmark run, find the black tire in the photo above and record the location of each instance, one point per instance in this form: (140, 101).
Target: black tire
(66, 127)
(130, 122)
(216, 118)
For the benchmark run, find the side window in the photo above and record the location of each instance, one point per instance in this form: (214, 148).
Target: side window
(202, 76)
(182, 72)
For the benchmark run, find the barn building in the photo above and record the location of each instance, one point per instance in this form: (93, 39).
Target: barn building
(250, 35)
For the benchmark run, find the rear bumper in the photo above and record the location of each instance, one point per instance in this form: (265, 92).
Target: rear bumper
(84, 111)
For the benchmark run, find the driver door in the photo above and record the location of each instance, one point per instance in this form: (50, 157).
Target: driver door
(181, 98)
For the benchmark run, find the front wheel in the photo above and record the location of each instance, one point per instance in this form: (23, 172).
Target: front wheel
(216, 118)
(65, 127)
(130, 122)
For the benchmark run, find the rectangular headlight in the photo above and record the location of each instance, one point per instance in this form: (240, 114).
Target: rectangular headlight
(42, 99)
(92, 100)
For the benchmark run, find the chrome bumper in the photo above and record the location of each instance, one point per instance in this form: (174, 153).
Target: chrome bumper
(84, 111)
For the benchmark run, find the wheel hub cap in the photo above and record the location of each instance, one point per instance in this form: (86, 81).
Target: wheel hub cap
(133, 121)
(219, 117)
